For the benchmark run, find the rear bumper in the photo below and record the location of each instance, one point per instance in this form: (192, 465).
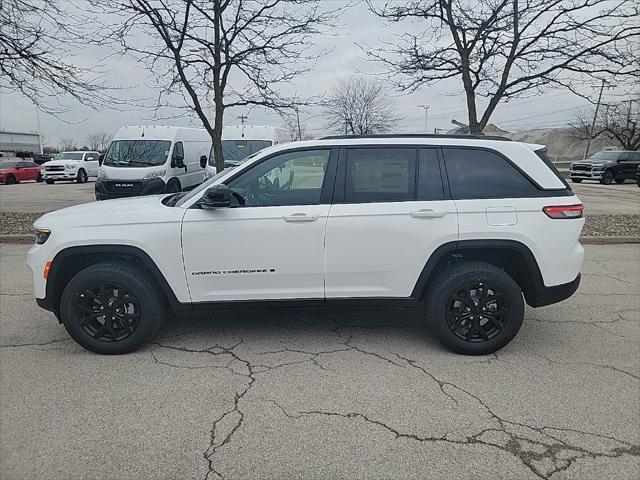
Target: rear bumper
(549, 295)
(108, 189)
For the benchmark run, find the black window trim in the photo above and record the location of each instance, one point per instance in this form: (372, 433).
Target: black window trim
(328, 184)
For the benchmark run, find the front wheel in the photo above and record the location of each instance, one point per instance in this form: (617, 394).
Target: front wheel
(619, 180)
(111, 308)
(607, 177)
(475, 308)
(82, 176)
(576, 180)
(48, 181)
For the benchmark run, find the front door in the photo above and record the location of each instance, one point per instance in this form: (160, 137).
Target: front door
(91, 163)
(270, 243)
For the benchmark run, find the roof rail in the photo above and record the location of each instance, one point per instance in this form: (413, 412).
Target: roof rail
(477, 136)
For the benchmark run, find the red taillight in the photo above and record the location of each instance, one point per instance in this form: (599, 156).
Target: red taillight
(564, 211)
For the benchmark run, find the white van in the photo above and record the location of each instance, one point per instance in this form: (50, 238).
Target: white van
(241, 141)
(147, 160)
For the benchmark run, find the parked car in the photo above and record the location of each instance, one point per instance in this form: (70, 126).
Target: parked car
(18, 170)
(75, 166)
(606, 167)
(144, 160)
(638, 175)
(466, 227)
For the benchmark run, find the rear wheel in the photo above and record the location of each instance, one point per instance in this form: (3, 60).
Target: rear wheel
(607, 177)
(111, 308)
(576, 180)
(48, 181)
(474, 307)
(82, 176)
(39, 177)
(10, 180)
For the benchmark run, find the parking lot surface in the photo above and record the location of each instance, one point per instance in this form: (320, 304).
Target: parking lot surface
(608, 199)
(328, 394)
(39, 197)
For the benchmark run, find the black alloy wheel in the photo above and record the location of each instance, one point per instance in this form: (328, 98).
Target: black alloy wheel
(474, 307)
(112, 307)
(11, 180)
(476, 312)
(108, 312)
(607, 177)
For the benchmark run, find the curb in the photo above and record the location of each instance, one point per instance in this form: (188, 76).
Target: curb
(17, 239)
(586, 240)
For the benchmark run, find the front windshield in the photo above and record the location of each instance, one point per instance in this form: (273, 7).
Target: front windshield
(7, 165)
(605, 156)
(236, 151)
(137, 153)
(68, 156)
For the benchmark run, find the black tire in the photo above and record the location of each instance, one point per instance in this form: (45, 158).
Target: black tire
(127, 293)
(577, 180)
(82, 176)
(48, 181)
(467, 334)
(607, 177)
(619, 180)
(10, 180)
(173, 186)
(39, 177)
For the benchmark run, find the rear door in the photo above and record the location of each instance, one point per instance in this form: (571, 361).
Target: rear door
(390, 213)
(91, 163)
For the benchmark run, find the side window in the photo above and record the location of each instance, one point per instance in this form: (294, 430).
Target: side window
(634, 157)
(380, 175)
(294, 178)
(429, 178)
(23, 165)
(483, 174)
(624, 157)
(89, 157)
(178, 150)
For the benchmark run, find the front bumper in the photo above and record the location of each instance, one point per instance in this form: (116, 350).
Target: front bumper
(60, 175)
(593, 174)
(107, 189)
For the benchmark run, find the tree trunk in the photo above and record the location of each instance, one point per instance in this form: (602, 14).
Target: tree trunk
(218, 153)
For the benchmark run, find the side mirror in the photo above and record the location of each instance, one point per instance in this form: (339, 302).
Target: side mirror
(203, 161)
(218, 196)
(178, 161)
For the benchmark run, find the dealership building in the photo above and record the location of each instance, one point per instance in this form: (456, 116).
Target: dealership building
(13, 142)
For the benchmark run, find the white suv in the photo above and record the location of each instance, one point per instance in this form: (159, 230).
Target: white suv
(76, 166)
(468, 227)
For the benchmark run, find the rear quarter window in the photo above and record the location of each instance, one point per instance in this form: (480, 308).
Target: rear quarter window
(479, 173)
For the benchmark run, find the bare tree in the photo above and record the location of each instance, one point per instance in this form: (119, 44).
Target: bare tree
(359, 106)
(68, 144)
(221, 53)
(503, 49)
(34, 53)
(619, 122)
(99, 141)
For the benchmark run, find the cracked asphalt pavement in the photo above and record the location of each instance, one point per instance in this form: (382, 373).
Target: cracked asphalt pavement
(328, 394)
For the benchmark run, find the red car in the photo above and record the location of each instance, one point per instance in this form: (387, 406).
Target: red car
(14, 171)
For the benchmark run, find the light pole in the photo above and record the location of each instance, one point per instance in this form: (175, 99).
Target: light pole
(426, 116)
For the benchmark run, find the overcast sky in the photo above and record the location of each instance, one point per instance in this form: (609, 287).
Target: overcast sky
(553, 108)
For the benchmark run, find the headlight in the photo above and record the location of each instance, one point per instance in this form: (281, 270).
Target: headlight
(70, 166)
(102, 174)
(42, 234)
(155, 174)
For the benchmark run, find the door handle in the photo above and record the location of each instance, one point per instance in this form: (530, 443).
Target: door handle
(428, 213)
(300, 217)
